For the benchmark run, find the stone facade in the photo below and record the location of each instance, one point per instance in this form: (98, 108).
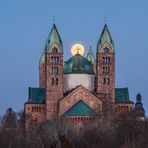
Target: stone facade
(54, 79)
(50, 101)
(80, 93)
(34, 112)
(105, 74)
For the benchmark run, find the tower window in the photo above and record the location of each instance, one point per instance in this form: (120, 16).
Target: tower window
(104, 81)
(106, 50)
(106, 70)
(55, 50)
(106, 60)
(55, 59)
(52, 81)
(108, 81)
(54, 70)
(56, 81)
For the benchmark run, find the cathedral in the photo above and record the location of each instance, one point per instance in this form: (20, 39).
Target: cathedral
(81, 87)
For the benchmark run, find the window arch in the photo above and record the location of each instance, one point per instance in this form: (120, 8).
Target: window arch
(108, 81)
(104, 81)
(55, 50)
(52, 81)
(106, 50)
(56, 81)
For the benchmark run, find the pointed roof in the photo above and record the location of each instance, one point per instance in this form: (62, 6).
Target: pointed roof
(42, 58)
(105, 37)
(80, 109)
(53, 37)
(90, 56)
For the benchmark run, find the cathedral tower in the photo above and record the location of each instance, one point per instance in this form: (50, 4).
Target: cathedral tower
(53, 72)
(105, 67)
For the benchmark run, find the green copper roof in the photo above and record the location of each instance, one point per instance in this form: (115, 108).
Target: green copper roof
(80, 109)
(42, 58)
(36, 95)
(78, 64)
(53, 37)
(122, 95)
(90, 56)
(105, 37)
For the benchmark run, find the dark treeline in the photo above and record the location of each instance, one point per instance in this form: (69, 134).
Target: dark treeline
(124, 130)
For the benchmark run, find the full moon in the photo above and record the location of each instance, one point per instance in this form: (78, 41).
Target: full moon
(77, 48)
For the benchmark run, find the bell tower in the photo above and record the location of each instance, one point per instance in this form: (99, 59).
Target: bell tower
(53, 72)
(105, 67)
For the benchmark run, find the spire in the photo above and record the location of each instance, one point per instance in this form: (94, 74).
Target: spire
(53, 37)
(90, 56)
(105, 37)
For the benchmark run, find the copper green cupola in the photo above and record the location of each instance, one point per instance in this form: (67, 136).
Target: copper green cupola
(78, 65)
(105, 38)
(53, 37)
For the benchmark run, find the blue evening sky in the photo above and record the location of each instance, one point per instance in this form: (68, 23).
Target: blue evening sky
(25, 25)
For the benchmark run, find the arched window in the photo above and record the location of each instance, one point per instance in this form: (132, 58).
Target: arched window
(108, 69)
(106, 50)
(103, 60)
(56, 81)
(108, 60)
(55, 50)
(54, 70)
(55, 59)
(104, 81)
(108, 81)
(52, 81)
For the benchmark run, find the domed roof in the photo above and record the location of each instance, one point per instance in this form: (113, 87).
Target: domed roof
(78, 64)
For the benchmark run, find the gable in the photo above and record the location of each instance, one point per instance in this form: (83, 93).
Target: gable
(80, 93)
(80, 109)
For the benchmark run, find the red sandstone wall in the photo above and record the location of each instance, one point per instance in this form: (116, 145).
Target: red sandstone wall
(53, 92)
(104, 88)
(34, 112)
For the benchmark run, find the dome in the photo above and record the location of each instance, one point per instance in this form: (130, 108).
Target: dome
(78, 64)
(78, 71)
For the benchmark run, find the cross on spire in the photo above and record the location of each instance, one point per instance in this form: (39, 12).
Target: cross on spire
(105, 19)
(54, 20)
(78, 49)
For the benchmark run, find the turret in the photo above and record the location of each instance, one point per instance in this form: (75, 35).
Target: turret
(139, 105)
